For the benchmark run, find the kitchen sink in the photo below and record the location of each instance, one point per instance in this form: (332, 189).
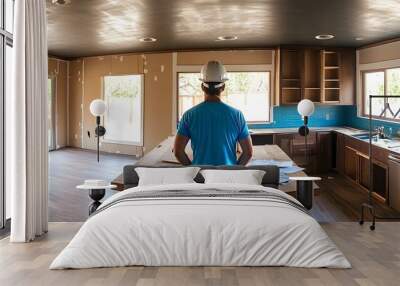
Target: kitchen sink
(363, 136)
(388, 143)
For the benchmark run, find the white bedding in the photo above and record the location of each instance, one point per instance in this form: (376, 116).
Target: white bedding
(200, 231)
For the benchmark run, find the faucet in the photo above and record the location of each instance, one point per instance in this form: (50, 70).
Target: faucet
(380, 130)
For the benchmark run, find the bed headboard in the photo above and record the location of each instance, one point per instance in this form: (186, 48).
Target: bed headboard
(270, 179)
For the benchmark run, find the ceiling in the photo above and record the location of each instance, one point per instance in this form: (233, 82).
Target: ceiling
(98, 27)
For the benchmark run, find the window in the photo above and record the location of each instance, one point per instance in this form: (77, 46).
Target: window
(124, 116)
(382, 82)
(6, 69)
(9, 15)
(246, 91)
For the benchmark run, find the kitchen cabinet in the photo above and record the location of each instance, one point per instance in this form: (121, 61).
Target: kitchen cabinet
(262, 139)
(324, 160)
(357, 168)
(364, 172)
(351, 163)
(380, 180)
(319, 150)
(285, 142)
(321, 75)
(340, 157)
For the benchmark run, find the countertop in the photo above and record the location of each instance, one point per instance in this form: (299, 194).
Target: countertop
(349, 131)
(345, 130)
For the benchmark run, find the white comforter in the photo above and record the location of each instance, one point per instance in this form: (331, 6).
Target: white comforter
(200, 231)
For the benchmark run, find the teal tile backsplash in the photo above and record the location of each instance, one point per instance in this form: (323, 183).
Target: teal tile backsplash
(287, 116)
(331, 115)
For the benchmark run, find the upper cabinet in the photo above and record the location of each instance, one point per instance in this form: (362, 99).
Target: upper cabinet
(325, 76)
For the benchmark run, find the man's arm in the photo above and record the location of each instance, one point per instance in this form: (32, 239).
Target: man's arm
(247, 151)
(179, 149)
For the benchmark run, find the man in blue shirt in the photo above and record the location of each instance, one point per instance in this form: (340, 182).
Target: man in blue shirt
(213, 127)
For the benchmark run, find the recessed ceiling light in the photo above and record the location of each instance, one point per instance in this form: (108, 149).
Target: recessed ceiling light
(227, 38)
(61, 2)
(359, 38)
(148, 39)
(324, 37)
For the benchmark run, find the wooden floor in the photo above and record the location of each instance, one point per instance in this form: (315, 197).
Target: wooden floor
(375, 258)
(68, 168)
(337, 199)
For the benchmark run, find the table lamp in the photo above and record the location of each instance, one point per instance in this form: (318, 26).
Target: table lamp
(98, 108)
(305, 108)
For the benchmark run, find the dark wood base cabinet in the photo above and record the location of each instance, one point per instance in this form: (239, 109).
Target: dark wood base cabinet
(353, 162)
(318, 157)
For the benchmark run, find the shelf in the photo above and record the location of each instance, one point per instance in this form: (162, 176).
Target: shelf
(290, 87)
(331, 67)
(312, 88)
(291, 79)
(332, 95)
(313, 94)
(333, 79)
(332, 87)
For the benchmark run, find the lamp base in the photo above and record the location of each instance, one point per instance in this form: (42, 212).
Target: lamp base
(304, 130)
(100, 131)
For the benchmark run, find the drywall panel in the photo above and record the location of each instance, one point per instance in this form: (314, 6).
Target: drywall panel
(75, 103)
(52, 67)
(238, 57)
(125, 64)
(380, 53)
(61, 105)
(95, 68)
(158, 99)
(57, 69)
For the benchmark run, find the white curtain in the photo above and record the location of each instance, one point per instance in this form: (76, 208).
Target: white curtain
(27, 148)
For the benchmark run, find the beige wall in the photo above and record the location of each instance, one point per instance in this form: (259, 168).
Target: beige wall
(75, 102)
(158, 99)
(85, 84)
(58, 69)
(380, 53)
(238, 57)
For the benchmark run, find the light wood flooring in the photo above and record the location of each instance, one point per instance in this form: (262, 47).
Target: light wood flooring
(375, 257)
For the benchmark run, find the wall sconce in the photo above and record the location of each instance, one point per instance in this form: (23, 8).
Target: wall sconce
(305, 108)
(98, 108)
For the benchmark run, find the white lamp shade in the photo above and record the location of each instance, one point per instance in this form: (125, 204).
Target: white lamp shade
(305, 107)
(97, 107)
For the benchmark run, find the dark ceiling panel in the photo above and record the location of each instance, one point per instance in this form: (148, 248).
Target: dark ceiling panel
(96, 27)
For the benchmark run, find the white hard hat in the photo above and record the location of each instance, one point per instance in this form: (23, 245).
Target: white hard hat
(213, 71)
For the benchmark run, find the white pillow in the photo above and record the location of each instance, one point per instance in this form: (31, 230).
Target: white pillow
(248, 177)
(166, 176)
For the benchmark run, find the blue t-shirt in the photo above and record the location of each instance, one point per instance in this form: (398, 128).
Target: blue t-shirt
(214, 129)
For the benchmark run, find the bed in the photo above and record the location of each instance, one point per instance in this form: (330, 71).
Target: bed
(201, 225)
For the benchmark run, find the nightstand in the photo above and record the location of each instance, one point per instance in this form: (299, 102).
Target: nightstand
(96, 193)
(304, 190)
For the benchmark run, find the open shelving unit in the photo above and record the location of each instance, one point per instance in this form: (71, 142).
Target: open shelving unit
(312, 75)
(290, 76)
(330, 81)
(324, 76)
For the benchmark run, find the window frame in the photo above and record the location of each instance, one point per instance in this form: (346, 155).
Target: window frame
(231, 68)
(363, 90)
(129, 143)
